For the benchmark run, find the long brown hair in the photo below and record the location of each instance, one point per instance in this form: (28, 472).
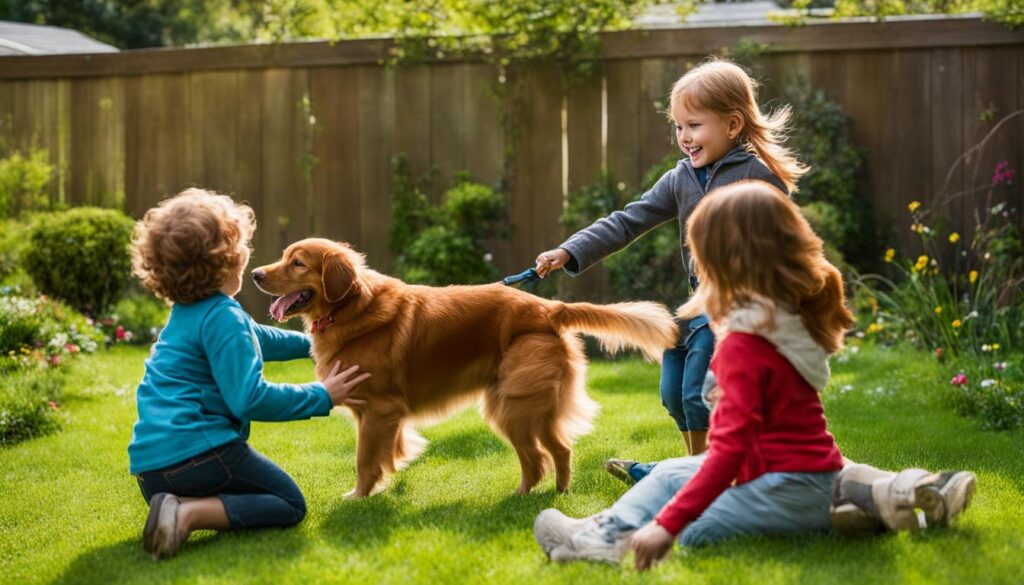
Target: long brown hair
(750, 241)
(724, 88)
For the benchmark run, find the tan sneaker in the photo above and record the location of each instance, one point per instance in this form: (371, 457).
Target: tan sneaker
(619, 468)
(160, 537)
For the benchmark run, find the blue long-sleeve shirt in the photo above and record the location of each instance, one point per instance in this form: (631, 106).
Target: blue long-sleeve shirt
(204, 383)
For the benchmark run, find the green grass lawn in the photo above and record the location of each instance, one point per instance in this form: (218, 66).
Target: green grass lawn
(70, 513)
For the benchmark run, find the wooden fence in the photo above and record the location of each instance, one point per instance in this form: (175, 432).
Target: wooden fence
(305, 132)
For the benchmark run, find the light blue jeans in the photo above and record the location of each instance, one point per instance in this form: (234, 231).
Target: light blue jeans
(775, 503)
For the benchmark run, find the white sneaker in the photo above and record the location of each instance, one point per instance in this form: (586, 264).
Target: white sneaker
(565, 539)
(552, 529)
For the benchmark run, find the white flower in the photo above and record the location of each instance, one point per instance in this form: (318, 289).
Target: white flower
(988, 382)
(488, 257)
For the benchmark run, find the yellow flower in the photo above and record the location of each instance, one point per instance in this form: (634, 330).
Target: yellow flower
(890, 254)
(874, 328)
(954, 238)
(873, 303)
(995, 346)
(956, 323)
(913, 206)
(938, 310)
(922, 263)
(917, 228)
(972, 276)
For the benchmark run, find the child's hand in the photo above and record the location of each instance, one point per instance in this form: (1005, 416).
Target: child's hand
(651, 544)
(340, 385)
(551, 260)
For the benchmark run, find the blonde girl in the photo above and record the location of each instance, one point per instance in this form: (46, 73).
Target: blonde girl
(725, 138)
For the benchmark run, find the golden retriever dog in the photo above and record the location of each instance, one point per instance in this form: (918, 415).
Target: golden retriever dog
(434, 349)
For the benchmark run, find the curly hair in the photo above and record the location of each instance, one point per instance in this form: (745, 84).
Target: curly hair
(750, 241)
(189, 245)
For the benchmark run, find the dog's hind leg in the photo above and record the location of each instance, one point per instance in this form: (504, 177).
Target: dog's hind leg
(526, 405)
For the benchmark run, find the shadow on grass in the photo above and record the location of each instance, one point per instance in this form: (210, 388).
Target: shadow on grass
(367, 523)
(467, 444)
(204, 556)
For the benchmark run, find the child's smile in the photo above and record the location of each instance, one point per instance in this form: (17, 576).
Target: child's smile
(704, 136)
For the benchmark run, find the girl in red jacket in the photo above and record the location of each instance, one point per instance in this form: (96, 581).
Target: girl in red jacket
(778, 310)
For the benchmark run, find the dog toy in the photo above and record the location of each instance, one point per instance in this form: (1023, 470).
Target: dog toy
(528, 276)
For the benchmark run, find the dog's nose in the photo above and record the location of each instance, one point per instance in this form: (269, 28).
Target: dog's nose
(258, 275)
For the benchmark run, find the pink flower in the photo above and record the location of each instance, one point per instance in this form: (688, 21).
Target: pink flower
(1003, 173)
(938, 353)
(54, 360)
(119, 333)
(959, 379)
(999, 366)
(71, 347)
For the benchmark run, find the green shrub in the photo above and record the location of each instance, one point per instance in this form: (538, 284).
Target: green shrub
(447, 243)
(25, 182)
(821, 136)
(140, 315)
(991, 390)
(81, 256)
(35, 331)
(28, 403)
(13, 277)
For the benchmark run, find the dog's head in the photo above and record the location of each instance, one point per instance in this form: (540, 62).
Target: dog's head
(313, 276)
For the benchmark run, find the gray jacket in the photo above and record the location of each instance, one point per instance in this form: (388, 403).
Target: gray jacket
(675, 195)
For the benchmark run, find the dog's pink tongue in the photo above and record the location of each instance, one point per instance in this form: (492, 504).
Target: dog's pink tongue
(279, 307)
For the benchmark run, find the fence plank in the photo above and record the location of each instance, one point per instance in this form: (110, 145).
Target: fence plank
(623, 130)
(338, 122)
(376, 109)
(536, 194)
(97, 134)
(947, 130)
(448, 139)
(412, 128)
(583, 128)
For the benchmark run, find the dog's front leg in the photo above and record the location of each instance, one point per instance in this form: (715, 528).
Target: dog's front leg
(377, 437)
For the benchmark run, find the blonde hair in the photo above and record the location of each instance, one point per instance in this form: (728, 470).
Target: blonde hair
(724, 88)
(750, 242)
(189, 245)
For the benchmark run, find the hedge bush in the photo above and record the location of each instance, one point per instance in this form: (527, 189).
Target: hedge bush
(29, 401)
(81, 256)
(446, 243)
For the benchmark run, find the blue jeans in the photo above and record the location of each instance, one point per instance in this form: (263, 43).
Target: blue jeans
(775, 503)
(255, 491)
(683, 369)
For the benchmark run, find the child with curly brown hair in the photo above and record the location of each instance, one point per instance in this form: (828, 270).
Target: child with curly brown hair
(203, 382)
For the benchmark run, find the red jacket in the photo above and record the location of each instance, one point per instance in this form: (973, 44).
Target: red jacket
(768, 419)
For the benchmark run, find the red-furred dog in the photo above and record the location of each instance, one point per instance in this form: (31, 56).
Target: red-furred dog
(432, 349)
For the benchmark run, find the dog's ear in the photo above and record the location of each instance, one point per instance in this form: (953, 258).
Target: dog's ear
(339, 277)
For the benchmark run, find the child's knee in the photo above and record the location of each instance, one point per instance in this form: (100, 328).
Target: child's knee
(298, 508)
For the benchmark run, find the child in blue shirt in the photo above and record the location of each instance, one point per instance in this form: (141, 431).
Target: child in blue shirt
(204, 382)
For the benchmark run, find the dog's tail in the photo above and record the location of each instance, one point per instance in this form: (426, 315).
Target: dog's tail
(643, 325)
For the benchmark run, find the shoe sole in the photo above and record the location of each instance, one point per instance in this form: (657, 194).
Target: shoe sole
(943, 504)
(850, 520)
